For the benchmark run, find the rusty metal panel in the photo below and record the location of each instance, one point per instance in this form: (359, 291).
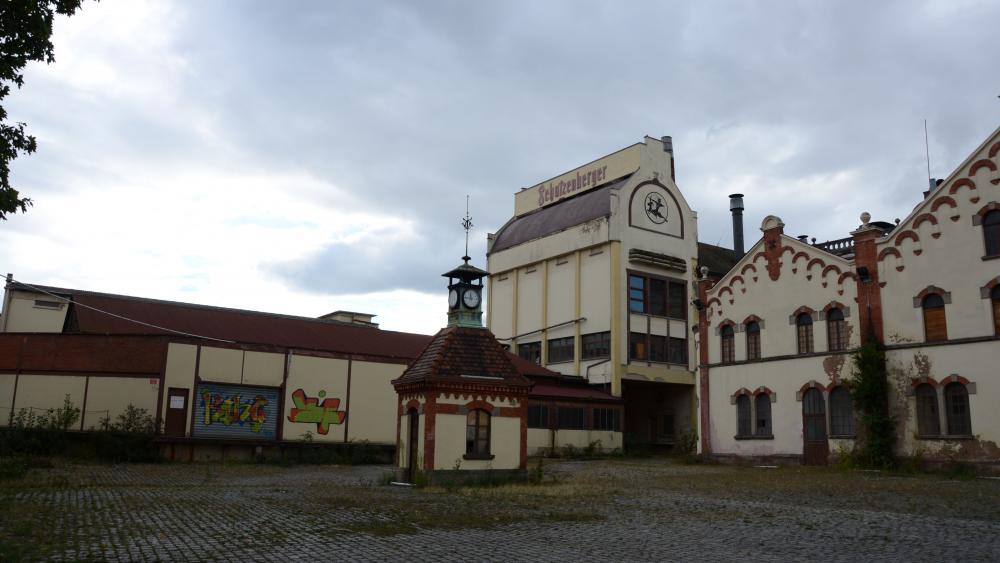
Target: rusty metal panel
(235, 412)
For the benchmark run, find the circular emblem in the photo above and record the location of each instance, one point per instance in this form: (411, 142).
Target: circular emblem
(453, 299)
(471, 298)
(656, 210)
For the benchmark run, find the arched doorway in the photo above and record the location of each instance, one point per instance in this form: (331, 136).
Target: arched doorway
(815, 447)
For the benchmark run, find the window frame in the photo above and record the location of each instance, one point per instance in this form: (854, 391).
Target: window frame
(934, 310)
(744, 417)
(545, 416)
(991, 233)
(804, 334)
(641, 300)
(764, 430)
(842, 423)
(995, 308)
(603, 343)
(565, 345)
(836, 330)
(957, 423)
(727, 344)
(753, 346)
(535, 347)
(605, 419)
(563, 415)
(926, 399)
(474, 421)
(671, 346)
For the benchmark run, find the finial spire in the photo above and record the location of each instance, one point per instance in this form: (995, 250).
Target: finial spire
(467, 225)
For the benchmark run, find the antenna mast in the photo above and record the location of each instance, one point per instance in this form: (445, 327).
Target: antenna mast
(467, 225)
(927, 149)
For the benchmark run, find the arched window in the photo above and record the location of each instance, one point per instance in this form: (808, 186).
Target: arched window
(477, 433)
(928, 423)
(841, 412)
(753, 340)
(836, 330)
(728, 344)
(991, 232)
(956, 404)
(804, 332)
(762, 427)
(743, 420)
(995, 301)
(935, 325)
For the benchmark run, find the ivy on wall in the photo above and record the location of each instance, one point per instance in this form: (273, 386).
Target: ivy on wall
(870, 389)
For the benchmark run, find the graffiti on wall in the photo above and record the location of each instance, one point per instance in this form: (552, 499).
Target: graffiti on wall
(309, 410)
(236, 411)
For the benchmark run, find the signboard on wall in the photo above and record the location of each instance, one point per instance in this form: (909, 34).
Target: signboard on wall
(584, 178)
(235, 411)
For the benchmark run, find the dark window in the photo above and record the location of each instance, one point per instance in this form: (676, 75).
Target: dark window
(677, 352)
(743, 420)
(657, 348)
(836, 330)
(596, 345)
(995, 301)
(532, 351)
(607, 419)
(813, 415)
(728, 338)
(43, 304)
(477, 432)
(572, 418)
(753, 340)
(935, 324)
(637, 294)
(762, 416)
(667, 428)
(637, 346)
(956, 404)
(804, 332)
(928, 423)
(841, 412)
(560, 350)
(538, 416)
(658, 297)
(991, 233)
(677, 301)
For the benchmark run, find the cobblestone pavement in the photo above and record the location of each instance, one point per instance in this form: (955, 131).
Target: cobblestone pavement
(631, 511)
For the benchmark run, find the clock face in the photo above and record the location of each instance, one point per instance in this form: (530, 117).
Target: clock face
(471, 298)
(453, 299)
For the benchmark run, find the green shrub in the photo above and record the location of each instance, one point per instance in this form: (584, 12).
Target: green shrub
(870, 390)
(537, 474)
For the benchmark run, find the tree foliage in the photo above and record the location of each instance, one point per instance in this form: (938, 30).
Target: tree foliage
(870, 390)
(25, 35)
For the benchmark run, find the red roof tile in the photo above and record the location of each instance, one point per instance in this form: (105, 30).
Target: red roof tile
(463, 354)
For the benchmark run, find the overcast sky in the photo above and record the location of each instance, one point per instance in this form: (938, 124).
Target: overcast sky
(252, 155)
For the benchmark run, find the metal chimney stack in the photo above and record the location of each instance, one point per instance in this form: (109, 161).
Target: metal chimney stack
(668, 147)
(736, 207)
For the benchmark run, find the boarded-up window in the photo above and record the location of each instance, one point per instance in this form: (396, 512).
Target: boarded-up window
(991, 233)
(762, 416)
(804, 333)
(753, 340)
(728, 343)
(935, 325)
(995, 301)
(538, 416)
(956, 402)
(637, 346)
(743, 420)
(836, 330)
(928, 423)
(841, 412)
(477, 432)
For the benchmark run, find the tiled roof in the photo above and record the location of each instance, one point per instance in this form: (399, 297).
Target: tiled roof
(467, 355)
(719, 260)
(554, 218)
(544, 389)
(250, 327)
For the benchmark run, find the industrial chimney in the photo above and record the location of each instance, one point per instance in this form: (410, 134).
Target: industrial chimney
(736, 207)
(668, 147)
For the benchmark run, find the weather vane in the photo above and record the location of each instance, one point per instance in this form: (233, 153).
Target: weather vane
(467, 225)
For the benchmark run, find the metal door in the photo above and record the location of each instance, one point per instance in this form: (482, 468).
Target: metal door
(815, 448)
(177, 408)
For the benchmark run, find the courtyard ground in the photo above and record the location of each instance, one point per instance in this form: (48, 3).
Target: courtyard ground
(620, 509)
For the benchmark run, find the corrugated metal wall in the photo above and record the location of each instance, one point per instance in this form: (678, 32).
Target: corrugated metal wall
(235, 411)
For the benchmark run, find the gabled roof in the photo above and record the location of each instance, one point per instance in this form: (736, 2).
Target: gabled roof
(557, 217)
(464, 355)
(717, 259)
(236, 325)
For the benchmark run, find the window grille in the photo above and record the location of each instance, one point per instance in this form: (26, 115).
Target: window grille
(477, 432)
(637, 294)
(762, 416)
(531, 351)
(836, 330)
(607, 419)
(657, 296)
(572, 418)
(657, 348)
(956, 401)
(677, 352)
(596, 345)
(743, 420)
(538, 416)
(560, 350)
(728, 341)
(637, 347)
(841, 412)
(804, 332)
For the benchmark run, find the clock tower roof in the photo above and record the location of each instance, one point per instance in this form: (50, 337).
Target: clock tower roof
(466, 272)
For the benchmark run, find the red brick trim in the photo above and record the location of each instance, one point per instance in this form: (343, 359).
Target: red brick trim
(815, 261)
(846, 275)
(918, 381)
(737, 277)
(922, 218)
(430, 429)
(995, 149)
(988, 288)
(744, 269)
(833, 267)
(942, 201)
(804, 309)
(704, 405)
(905, 235)
(713, 300)
(834, 305)
(961, 182)
(741, 391)
(929, 290)
(725, 289)
(752, 318)
(472, 405)
(801, 253)
(762, 390)
(982, 163)
(811, 385)
(887, 251)
(977, 219)
(954, 378)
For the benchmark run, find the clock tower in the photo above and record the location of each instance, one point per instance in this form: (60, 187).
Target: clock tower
(465, 295)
